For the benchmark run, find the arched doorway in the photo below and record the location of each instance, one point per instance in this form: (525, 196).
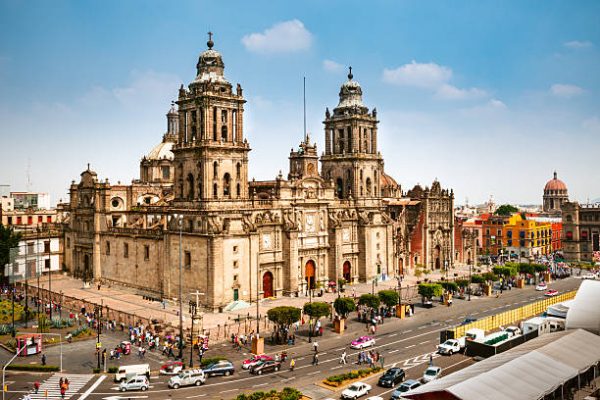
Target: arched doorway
(268, 284)
(347, 271)
(400, 267)
(436, 256)
(309, 274)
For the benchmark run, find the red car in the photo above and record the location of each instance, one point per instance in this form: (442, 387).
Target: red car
(171, 368)
(551, 293)
(251, 362)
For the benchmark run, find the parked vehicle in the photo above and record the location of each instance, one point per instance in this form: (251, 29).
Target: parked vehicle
(222, 367)
(125, 347)
(405, 387)
(468, 320)
(392, 377)
(266, 366)
(356, 390)
(255, 360)
(551, 293)
(451, 346)
(127, 371)
(171, 368)
(512, 331)
(136, 383)
(432, 373)
(362, 342)
(187, 378)
(541, 286)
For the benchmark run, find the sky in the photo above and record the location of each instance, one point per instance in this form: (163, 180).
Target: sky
(489, 97)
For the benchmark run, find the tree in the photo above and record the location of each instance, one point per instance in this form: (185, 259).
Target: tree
(506, 210)
(505, 270)
(462, 283)
(490, 277)
(317, 309)
(450, 286)
(344, 306)
(477, 279)
(8, 240)
(283, 317)
(430, 290)
(388, 297)
(369, 300)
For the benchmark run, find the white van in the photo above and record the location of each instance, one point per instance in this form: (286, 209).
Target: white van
(187, 378)
(127, 371)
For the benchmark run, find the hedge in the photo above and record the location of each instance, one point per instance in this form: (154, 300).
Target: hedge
(337, 380)
(497, 339)
(33, 367)
(286, 394)
(113, 370)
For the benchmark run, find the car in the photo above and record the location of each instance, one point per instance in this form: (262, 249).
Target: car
(551, 292)
(512, 331)
(187, 378)
(265, 366)
(392, 377)
(138, 382)
(541, 286)
(588, 276)
(222, 367)
(171, 368)
(356, 390)
(432, 373)
(468, 320)
(374, 398)
(255, 360)
(405, 387)
(362, 342)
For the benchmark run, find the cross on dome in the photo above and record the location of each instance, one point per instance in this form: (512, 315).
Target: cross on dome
(350, 76)
(210, 42)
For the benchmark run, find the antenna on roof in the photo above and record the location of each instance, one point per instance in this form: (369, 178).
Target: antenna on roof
(304, 100)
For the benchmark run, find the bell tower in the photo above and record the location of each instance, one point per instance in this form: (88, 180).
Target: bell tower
(351, 158)
(211, 154)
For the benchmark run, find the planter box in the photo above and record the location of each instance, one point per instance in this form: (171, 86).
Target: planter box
(339, 325)
(521, 283)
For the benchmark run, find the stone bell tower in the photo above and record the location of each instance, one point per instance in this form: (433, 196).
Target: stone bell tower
(211, 154)
(351, 158)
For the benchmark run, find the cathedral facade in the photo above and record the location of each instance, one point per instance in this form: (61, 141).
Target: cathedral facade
(194, 217)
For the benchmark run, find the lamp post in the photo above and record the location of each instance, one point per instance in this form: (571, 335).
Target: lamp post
(470, 277)
(193, 309)
(98, 316)
(310, 328)
(180, 222)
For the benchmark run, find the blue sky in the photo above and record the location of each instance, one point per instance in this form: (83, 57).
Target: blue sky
(490, 97)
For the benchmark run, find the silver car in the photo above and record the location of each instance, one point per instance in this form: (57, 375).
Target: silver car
(139, 382)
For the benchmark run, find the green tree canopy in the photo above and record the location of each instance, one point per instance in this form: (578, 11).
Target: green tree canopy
(506, 210)
(490, 276)
(344, 306)
(317, 309)
(449, 286)
(284, 316)
(477, 279)
(8, 240)
(505, 270)
(388, 297)
(369, 300)
(430, 290)
(462, 282)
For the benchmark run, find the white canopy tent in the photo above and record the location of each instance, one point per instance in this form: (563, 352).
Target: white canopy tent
(584, 312)
(528, 372)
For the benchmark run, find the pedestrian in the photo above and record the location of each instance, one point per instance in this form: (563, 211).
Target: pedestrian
(43, 359)
(292, 364)
(63, 391)
(431, 360)
(36, 386)
(343, 357)
(60, 382)
(315, 360)
(315, 346)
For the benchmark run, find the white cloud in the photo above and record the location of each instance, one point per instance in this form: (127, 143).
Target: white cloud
(431, 76)
(450, 92)
(495, 103)
(565, 90)
(283, 37)
(415, 74)
(332, 66)
(592, 124)
(578, 44)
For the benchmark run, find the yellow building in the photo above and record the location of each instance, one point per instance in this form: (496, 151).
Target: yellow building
(527, 237)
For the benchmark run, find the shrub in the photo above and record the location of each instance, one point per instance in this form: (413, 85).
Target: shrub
(5, 329)
(490, 276)
(82, 331)
(477, 279)
(450, 286)
(113, 370)
(33, 367)
(96, 370)
(369, 300)
(286, 394)
(337, 380)
(462, 282)
(430, 290)
(59, 323)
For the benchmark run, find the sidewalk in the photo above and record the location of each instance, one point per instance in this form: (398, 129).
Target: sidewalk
(221, 325)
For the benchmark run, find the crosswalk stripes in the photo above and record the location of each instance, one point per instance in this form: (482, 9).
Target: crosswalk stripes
(412, 362)
(76, 382)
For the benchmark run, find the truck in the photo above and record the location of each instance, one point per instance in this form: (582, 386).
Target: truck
(451, 346)
(475, 334)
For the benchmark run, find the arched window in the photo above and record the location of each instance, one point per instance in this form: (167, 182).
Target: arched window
(238, 170)
(339, 188)
(214, 123)
(226, 182)
(200, 186)
(369, 188)
(190, 187)
(224, 133)
(215, 170)
(215, 190)
(569, 235)
(238, 190)
(569, 218)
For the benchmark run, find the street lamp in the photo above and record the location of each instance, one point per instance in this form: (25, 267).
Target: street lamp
(193, 309)
(470, 277)
(98, 316)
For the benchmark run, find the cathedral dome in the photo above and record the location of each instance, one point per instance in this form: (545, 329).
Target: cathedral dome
(161, 151)
(387, 181)
(351, 94)
(555, 184)
(210, 65)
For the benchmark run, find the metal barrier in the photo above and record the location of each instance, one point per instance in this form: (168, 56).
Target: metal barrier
(511, 316)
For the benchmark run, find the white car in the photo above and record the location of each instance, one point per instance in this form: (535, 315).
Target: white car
(432, 373)
(374, 398)
(541, 286)
(356, 390)
(588, 276)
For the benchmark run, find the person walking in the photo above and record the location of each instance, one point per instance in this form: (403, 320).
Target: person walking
(315, 346)
(36, 386)
(315, 360)
(292, 364)
(43, 359)
(343, 357)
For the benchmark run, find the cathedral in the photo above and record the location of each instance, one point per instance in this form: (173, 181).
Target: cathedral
(194, 218)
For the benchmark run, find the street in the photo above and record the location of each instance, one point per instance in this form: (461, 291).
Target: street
(402, 343)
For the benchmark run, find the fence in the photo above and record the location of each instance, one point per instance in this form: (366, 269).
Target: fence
(511, 316)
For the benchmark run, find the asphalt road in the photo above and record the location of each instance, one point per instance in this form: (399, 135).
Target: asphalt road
(403, 343)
